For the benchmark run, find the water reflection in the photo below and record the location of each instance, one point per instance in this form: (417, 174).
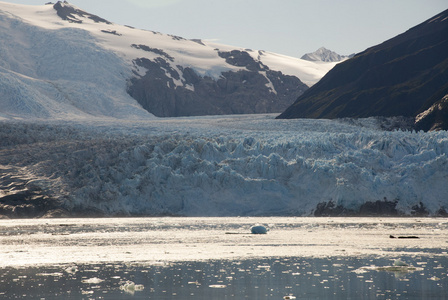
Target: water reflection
(283, 278)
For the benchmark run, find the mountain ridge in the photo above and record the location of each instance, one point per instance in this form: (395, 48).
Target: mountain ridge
(193, 76)
(403, 76)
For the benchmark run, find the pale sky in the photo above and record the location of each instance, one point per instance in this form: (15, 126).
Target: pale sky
(291, 27)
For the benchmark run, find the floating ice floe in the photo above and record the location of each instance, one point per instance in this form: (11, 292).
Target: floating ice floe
(94, 280)
(130, 287)
(399, 263)
(71, 269)
(217, 286)
(398, 267)
(258, 229)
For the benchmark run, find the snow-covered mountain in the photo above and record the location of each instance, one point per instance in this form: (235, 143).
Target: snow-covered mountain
(325, 55)
(58, 61)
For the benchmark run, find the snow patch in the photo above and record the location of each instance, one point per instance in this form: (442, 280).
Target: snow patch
(269, 84)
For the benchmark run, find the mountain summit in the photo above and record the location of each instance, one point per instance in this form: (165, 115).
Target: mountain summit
(404, 76)
(323, 54)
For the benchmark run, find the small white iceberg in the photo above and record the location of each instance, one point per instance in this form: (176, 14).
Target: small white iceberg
(258, 229)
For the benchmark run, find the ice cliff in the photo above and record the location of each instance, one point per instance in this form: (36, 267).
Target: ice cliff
(230, 166)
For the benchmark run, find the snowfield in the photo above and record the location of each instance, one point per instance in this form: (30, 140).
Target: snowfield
(53, 68)
(58, 72)
(250, 165)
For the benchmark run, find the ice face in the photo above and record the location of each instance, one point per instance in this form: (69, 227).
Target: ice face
(229, 165)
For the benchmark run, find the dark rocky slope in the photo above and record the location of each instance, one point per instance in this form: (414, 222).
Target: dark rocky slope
(20, 197)
(71, 14)
(404, 76)
(434, 118)
(254, 89)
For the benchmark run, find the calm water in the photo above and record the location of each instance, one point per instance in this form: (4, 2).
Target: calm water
(283, 278)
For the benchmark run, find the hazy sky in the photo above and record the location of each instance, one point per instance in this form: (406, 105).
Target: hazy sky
(292, 27)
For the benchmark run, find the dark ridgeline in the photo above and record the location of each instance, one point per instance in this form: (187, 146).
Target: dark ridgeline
(404, 76)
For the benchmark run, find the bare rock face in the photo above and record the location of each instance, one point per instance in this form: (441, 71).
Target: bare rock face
(71, 14)
(20, 198)
(435, 117)
(253, 89)
(383, 207)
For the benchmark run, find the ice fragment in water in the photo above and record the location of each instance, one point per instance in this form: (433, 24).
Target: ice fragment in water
(93, 280)
(71, 269)
(130, 287)
(217, 286)
(400, 263)
(258, 229)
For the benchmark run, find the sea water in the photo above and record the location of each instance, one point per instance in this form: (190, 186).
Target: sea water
(274, 278)
(219, 258)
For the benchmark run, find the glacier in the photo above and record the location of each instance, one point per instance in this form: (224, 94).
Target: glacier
(239, 165)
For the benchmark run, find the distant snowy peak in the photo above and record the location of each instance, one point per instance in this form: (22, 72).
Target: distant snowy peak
(325, 55)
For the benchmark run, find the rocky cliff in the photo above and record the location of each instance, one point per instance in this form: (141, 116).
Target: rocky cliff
(252, 89)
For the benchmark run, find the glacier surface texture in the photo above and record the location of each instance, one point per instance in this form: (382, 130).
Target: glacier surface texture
(249, 165)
